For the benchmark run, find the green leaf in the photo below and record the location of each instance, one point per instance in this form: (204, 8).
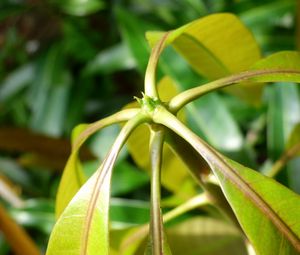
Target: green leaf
(126, 213)
(262, 16)
(16, 81)
(111, 60)
(132, 31)
(201, 235)
(127, 178)
(262, 200)
(214, 51)
(79, 7)
(85, 220)
(256, 200)
(73, 177)
(49, 90)
(294, 137)
(37, 214)
(199, 112)
(282, 66)
(283, 99)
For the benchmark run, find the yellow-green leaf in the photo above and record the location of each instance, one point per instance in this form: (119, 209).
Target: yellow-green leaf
(84, 223)
(281, 66)
(215, 51)
(267, 211)
(294, 137)
(203, 235)
(73, 177)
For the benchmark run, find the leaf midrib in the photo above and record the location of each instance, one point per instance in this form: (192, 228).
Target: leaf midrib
(231, 175)
(217, 161)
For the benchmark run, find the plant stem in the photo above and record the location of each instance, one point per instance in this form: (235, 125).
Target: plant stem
(189, 95)
(200, 170)
(150, 76)
(156, 146)
(90, 129)
(193, 203)
(282, 161)
(142, 231)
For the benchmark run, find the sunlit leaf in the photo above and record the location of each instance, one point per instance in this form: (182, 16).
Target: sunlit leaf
(215, 51)
(286, 61)
(73, 176)
(263, 201)
(253, 197)
(83, 225)
(278, 67)
(85, 220)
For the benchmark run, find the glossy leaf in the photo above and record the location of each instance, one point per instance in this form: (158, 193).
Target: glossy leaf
(84, 223)
(281, 66)
(253, 197)
(214, 51)
(73, 176)
(85, 220)
(200, 111)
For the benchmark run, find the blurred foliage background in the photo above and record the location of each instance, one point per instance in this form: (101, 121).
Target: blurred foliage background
(67, 62)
